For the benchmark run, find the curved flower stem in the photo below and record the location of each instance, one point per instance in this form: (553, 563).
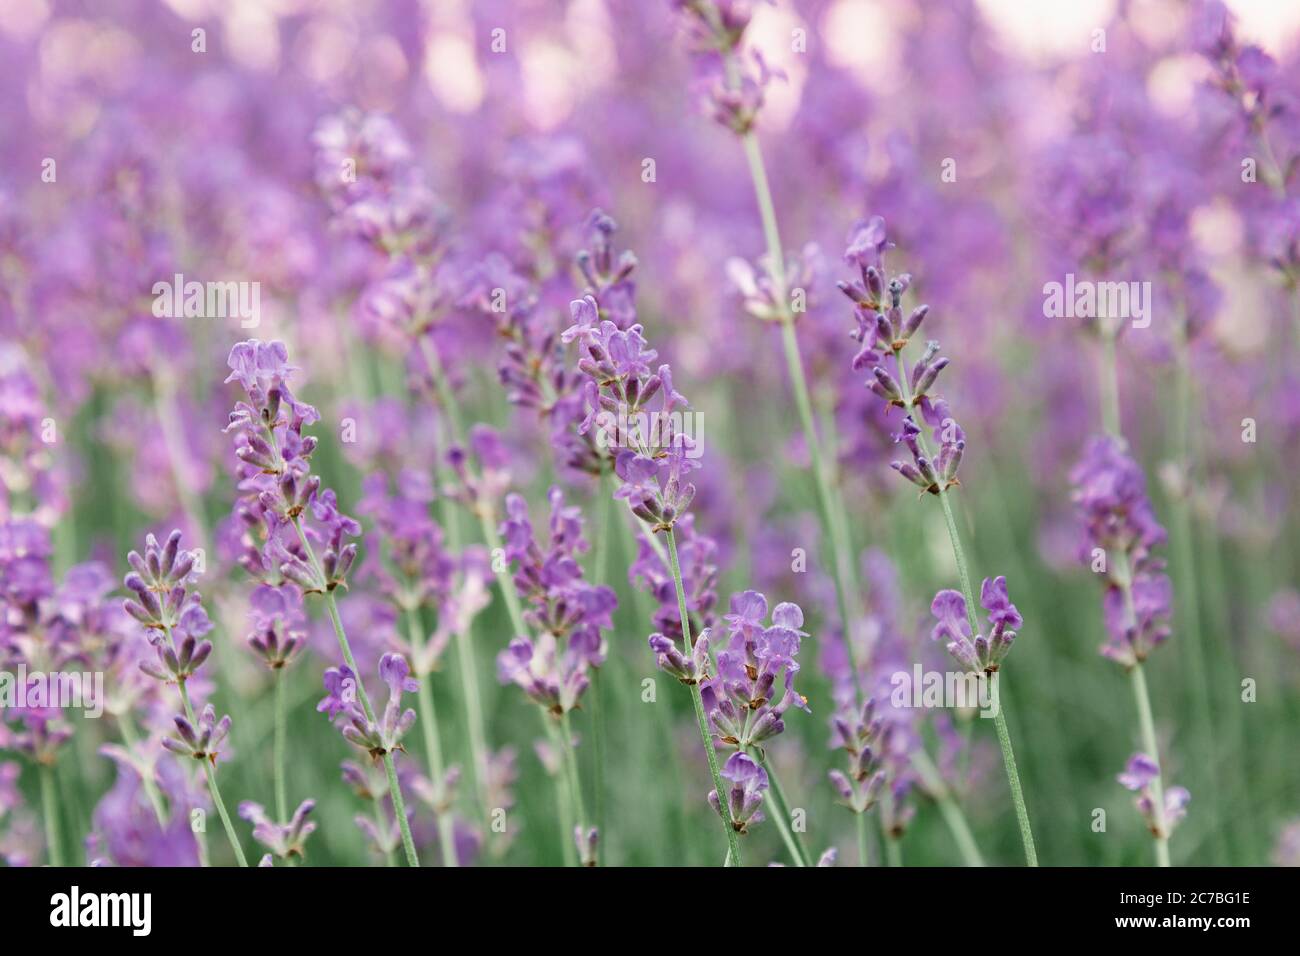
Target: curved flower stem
(1017, 795)
(701, 720)
(846, 594)
(968, 593)
(382, 824)
(575, 779)
(467, 662)
(281, 796)
(432, 743)
(951, 810)
(332, 607)
(1185, 571)
(131, 739)
(208, 764)
(1146, 725)
(50, 815)
(1148, 730)
(782, 815)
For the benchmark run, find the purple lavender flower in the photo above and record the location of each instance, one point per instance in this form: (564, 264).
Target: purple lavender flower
(883, 330)
(284, 840)
(275, 481)
(202, 741)
(1120, 533)
(170, 611)
(568, 612)
(979, 653)
(866, 737)
(754, 659)
(279, 624)
(1140, 774)
(745, 795)
(380, 737)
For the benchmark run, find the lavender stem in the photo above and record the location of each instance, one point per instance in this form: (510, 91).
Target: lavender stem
(432, 743)
(207, 764)
(968, 593)
(724, 808)
(1146, 725)
(131, 739)
(1148, 730)
(281, 796)
(394, 788)
(948, 806)
(782, 816)
(50, 814)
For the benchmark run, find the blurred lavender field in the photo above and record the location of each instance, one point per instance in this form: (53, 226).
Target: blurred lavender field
(572, 410)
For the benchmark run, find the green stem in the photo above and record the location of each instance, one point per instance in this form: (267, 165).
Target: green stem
(432, 743)
(331, 606)
(50, 813)
(466, 659)
(1111, 423)
(951, 810)
(281, 708)
(782, 816)
(968, 593)
(864, 858)
(701, 720)
(1017, 796)
(207, 764)
(846, 595)
(575, 779)
(131, 739)
(1148, 730)
(381, 831)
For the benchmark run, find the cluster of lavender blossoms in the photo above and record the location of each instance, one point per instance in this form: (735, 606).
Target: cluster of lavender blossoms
(978, 653)
(755, 658)
(171, 612)
(652, 463)
(730, 79)
(275, 481)
(1141, 774)
(882, 329)
(383, 735)
(567, 611)
(1120, 531)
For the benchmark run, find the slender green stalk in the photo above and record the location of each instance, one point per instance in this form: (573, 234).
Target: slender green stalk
(701, 720)
(1148, 730)
(1184, 567)
(382, 830)
(432, 743)
(207, 764)
(466, 658)
(281, 707)
(50, 813)
(952, 813)
(575, 779)
(968, 593)
(131, 739)
(864, 857)
(600, 565)
(563, 791)
(846, 594)
(1017, 795)
(332, 607)
(1111, 423)
(893, 850)
(781, 816)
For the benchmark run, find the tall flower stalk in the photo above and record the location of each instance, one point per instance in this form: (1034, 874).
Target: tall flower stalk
(277, 488)
(164, 603)
(883, 330)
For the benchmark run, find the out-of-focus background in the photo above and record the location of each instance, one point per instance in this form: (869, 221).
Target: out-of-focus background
(1006, 143)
